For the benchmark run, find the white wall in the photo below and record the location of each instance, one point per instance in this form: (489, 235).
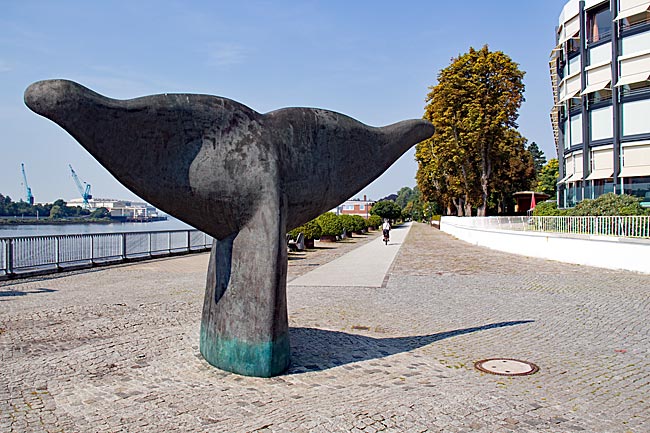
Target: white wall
(598, 251)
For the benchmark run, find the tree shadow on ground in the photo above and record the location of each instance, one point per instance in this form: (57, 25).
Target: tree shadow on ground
(318, 349)
(12, 293)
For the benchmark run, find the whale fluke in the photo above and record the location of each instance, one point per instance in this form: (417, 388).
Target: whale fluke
(241, 176)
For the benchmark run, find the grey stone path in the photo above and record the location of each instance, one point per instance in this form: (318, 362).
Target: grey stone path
(366, 266)
(116, 349)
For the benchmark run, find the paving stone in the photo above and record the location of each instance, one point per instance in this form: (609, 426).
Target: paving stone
(116, 349)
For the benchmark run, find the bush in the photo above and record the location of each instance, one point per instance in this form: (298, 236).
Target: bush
(352, 223)
(330, 224)
(609, 204)
(374, 221)
(348, 222)
(548, 208)
(311, 230)
(360, 223)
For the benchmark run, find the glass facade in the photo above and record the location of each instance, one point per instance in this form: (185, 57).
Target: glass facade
(610, 57)
(638, 187)
(599, 23)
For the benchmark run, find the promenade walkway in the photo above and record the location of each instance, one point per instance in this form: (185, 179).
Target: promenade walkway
(365, 266)
(116, 349)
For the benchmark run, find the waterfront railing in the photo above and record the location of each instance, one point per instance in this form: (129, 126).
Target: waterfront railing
(618, 226)
(44, 254)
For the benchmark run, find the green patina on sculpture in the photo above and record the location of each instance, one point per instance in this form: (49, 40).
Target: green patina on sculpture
(264, 359)
(244, 178)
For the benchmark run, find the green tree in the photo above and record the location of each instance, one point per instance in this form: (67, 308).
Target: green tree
(101, 212)
(473, 107)
(516, 172)
(539, 159)
(547, 178)
(57, 212)
(386, 209)
(404, 195)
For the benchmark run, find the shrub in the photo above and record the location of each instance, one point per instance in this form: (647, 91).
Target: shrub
(547, 208)
(374, 221)
(360, 223)
(352, 223)
(311, 230)
(609, 204)
(348, 222)
(330, 224)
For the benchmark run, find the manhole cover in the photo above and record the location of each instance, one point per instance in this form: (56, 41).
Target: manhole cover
(506, 367)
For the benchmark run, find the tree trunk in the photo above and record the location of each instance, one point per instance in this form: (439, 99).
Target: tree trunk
(468, 207)
(458, 203)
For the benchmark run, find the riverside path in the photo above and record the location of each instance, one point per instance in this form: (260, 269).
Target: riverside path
(116, 349)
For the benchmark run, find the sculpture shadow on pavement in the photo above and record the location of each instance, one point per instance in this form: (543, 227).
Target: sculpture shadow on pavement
(319, 349)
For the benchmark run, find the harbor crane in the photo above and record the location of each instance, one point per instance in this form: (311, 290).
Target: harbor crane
(28, 190)
(84, 189)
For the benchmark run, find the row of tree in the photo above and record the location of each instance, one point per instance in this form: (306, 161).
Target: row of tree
(331, 225)
(476, 158)
(58, 209)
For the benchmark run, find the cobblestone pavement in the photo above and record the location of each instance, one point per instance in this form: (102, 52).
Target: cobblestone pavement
(117, 349)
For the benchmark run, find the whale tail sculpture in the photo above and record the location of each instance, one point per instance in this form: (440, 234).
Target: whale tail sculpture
(243, 177)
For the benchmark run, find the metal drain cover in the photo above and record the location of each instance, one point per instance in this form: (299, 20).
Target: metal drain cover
(506, 367)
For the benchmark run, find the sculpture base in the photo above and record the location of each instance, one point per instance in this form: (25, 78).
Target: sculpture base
(263, 359)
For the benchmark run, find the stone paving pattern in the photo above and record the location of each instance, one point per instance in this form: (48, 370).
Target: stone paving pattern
(116, 349)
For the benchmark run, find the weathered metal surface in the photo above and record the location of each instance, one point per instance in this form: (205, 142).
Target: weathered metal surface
(243, 177)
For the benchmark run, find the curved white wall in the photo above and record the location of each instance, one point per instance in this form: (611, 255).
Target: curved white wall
(598, 251)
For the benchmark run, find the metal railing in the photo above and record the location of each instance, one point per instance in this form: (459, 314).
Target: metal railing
(619, 226)
(43, 254)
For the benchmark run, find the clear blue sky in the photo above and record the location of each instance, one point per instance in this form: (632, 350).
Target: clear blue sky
(372, 60)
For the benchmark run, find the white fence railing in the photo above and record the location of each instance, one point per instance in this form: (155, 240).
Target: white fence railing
(43, 254)
(620, 226)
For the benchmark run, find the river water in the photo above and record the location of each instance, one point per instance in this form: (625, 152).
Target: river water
(91, 228)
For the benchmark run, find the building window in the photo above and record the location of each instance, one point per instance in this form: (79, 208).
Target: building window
(573, 65)
(603, 186)
(600, 123)
(573, 46)
(636, 89)
(599, 24)
(638, 187)
(635, 21)
(600, 54)
(575, 133)
(635, 117)
(362, 207)
(635, 43)
(600, 96)
(349, 207)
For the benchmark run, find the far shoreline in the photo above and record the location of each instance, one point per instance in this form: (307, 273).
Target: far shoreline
(47, 221)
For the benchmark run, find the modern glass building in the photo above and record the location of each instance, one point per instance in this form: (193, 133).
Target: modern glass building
(600, 70)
